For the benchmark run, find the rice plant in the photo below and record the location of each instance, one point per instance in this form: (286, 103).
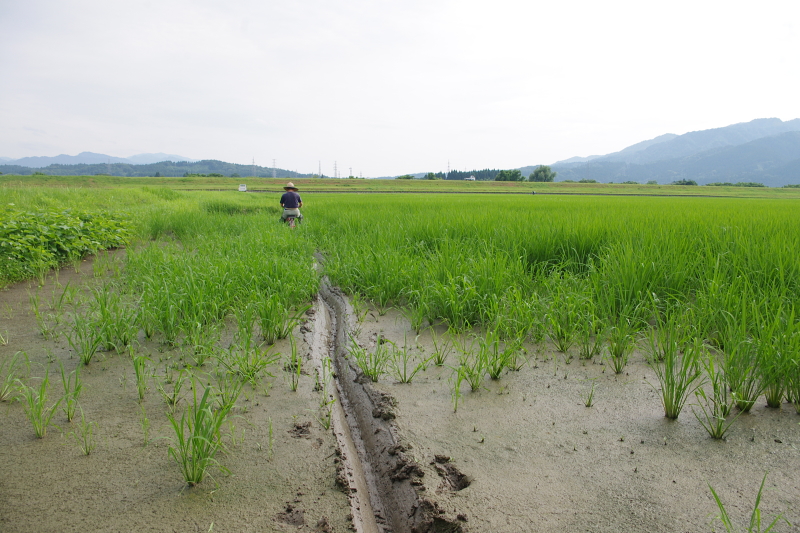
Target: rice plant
(372, 365)
(588, 401)
(72, 389)
(36, 406)
(442, 347)
(404, 365)
(472, 366)
(754, 525)
(85, 435)
(248, 365)
(716, 407)
(591, 337)
(140, 370)
(10, 369)
(275, 320)
(621, 341)
(679, 372)
(172, 397)
(198, 436)
(85, 338)
(293, 365)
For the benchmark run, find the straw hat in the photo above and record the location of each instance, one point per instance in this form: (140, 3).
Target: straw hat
(290, 186)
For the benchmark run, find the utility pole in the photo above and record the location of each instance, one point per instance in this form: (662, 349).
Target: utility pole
(351, 172)
(254, 167)
(273, 169)
(335, 170)
(447, 176)
(319, 171)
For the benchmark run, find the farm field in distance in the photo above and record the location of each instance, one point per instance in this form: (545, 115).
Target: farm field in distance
(549, 363)
(379, 185)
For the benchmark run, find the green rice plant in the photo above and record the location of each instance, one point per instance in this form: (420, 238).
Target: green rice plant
(293, 365)
(201, 340)
(228, 390)
(621, 341)
(565, 314)
(198, 436)
(778, 343)
(497, 359)
(360, 307)
(416, 312)
(755, 517)
(140, 369)
(472, 366)
(171, 398)
(275, 320)
(714, 408)
(84, 436)
(679, 373)
(442, 347)
(72, 389)
(742, 359)
(793, 386)
(10, 383)
(591, 338)
(4, 339)
(402, 363)
(85, 338)
(588, 401)
(457, 378)
(36, 406)
(247, 365)
(372, 365)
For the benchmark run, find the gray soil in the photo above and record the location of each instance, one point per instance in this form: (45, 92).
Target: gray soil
(524, 454)
(48, 485)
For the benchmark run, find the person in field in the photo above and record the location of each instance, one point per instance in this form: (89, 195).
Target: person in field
(291, 202)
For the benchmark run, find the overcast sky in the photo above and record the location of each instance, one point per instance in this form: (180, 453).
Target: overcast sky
(386, 87)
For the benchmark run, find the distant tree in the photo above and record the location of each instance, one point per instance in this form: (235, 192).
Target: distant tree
(405, 177)
(542, 173)
(509, 175)
(235, 175)
(652, 182)
(631, 183)
(215, 175)
(684, 182)
(431, 176)
(157, 175)
(587, 181)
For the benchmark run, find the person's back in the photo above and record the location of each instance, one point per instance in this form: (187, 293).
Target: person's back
(291, 202)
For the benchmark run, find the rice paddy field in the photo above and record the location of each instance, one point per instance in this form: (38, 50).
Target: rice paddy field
(555, 363)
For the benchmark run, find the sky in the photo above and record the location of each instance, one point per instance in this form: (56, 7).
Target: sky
(386, 88)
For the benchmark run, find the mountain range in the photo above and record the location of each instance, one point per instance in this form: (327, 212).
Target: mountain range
(765, 150)
(91, 158)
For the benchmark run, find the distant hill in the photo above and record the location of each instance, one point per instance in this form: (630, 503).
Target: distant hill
(773, 161)
(90, 158)
(763, 150)
(163, 168)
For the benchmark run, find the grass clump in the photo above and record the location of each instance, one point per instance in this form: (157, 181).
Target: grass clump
(754, 526)
(36, 406)
(198, 436)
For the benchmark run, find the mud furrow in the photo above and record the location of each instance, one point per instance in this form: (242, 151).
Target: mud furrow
(382, 479)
